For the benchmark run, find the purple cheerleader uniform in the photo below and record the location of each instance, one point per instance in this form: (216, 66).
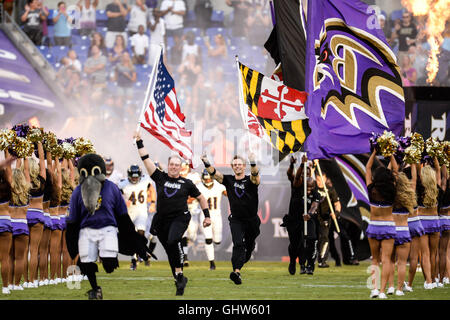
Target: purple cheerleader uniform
(5, 224)
(415, 227)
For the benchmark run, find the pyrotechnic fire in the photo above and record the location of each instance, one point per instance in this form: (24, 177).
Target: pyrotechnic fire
(437, 12)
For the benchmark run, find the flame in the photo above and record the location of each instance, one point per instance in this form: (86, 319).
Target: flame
(437, 13)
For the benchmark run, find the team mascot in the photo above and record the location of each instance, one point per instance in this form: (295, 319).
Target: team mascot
(98, 225)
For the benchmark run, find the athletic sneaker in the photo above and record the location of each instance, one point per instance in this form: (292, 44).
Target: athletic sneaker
(427, 286)
(236, 277)
(399, 293)
(52, 281)
(323, 265)
(19, 287)
(309, 270)
(95, 294)
(180, 283)
(292, 267)
(439, 285)
(391, 290)
(382, 295)
(147, 263)
(406, 287)
(212, 265)
(5, 290)
(374, 293)
(338, 263)
(302, 269)
(133, 264)
(25, 285)
(446, 280)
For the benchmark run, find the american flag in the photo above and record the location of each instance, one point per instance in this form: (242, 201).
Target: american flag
(162, 117)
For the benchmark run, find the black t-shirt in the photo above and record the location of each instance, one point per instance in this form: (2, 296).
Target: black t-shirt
(324, 208)
(172, 194)
(406, 32)
(117, 24)
(297, 202)
(243, 196)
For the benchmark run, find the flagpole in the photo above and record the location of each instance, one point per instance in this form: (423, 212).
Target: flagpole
(328, 197)
(241, 102)
(305, 204)
(149, 86)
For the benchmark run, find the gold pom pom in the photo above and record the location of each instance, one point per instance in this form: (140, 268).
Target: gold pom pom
(7, 137)
(387, 143)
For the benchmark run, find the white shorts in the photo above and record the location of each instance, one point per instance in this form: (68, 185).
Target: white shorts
(192, 229)
(93, 243)
(148, 224)
(139, 220)
(214, 231)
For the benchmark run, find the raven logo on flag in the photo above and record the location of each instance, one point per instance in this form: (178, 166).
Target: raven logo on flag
(353, 80)
(274, 109)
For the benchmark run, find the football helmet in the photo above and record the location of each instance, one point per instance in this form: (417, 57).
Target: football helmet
(134, 173)
(207, 180)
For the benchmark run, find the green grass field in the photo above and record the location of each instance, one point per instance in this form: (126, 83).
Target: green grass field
(261, 281)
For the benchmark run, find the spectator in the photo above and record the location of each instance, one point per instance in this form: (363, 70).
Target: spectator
(8, 6)
(139, 46)
(69, 77)
(74, 62)
(32, 18)
(157, 27)
(116, 12)
(45, 38)
(240, 13)
(220, 49)
(95, 68)
(189, 46)
(386, 29)
(419, 60)
(116, 51)
(62, 31)
(125, 75)
(190, 67)
(406, 33)
(409, 74)
(173, 11)
(138, 17)
(88, 19)
(258, 25)
(98, 40)
(176, 52)
(203, 11)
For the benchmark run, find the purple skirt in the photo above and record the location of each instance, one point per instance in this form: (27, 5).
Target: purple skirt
(403, 235)
(19, 226)
(381, 230)
(56, 223)
(5, 224)
(430, 224)
(415, 227)
(62, 221)
(444, 222)
(47, 221)
(35, 216)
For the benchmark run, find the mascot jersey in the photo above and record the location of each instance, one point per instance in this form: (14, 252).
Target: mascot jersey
(109, 205)
(135, 195)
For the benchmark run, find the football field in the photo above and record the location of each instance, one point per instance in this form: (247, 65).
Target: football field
(261, 280)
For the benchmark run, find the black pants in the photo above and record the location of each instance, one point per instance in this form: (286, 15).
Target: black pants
(323, 244)
(347, 247)
(34, 34)
(170, 232)
(243, 234)
(300, 246)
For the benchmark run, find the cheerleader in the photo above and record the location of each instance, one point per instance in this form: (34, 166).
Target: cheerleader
(66, 193)
(44, 245)
(19, 204)
(381, 230)
(418, 239)
(444, 219)
(5, 223)
(428, 186)
(404, 204)
(56, 234)
(35, 214)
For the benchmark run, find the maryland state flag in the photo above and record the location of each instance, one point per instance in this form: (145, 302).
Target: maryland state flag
(273, 111)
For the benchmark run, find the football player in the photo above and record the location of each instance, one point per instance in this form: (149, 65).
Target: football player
(194, 208)
(213, 192)
(135, 192)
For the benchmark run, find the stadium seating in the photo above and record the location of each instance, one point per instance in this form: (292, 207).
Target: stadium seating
(101, 18)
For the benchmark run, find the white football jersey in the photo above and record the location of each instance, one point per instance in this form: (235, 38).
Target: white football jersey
(213, 196)
(194, 206)
(135, 195)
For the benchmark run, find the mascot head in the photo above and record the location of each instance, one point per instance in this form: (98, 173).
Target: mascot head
(92, 171)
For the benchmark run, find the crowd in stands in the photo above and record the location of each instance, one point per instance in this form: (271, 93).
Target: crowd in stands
(105, 57)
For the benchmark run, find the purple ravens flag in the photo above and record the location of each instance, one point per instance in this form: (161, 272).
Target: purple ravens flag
(352, 79)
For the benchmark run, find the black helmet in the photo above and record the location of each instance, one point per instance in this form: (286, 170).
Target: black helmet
(207, 180)
(134, 171)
